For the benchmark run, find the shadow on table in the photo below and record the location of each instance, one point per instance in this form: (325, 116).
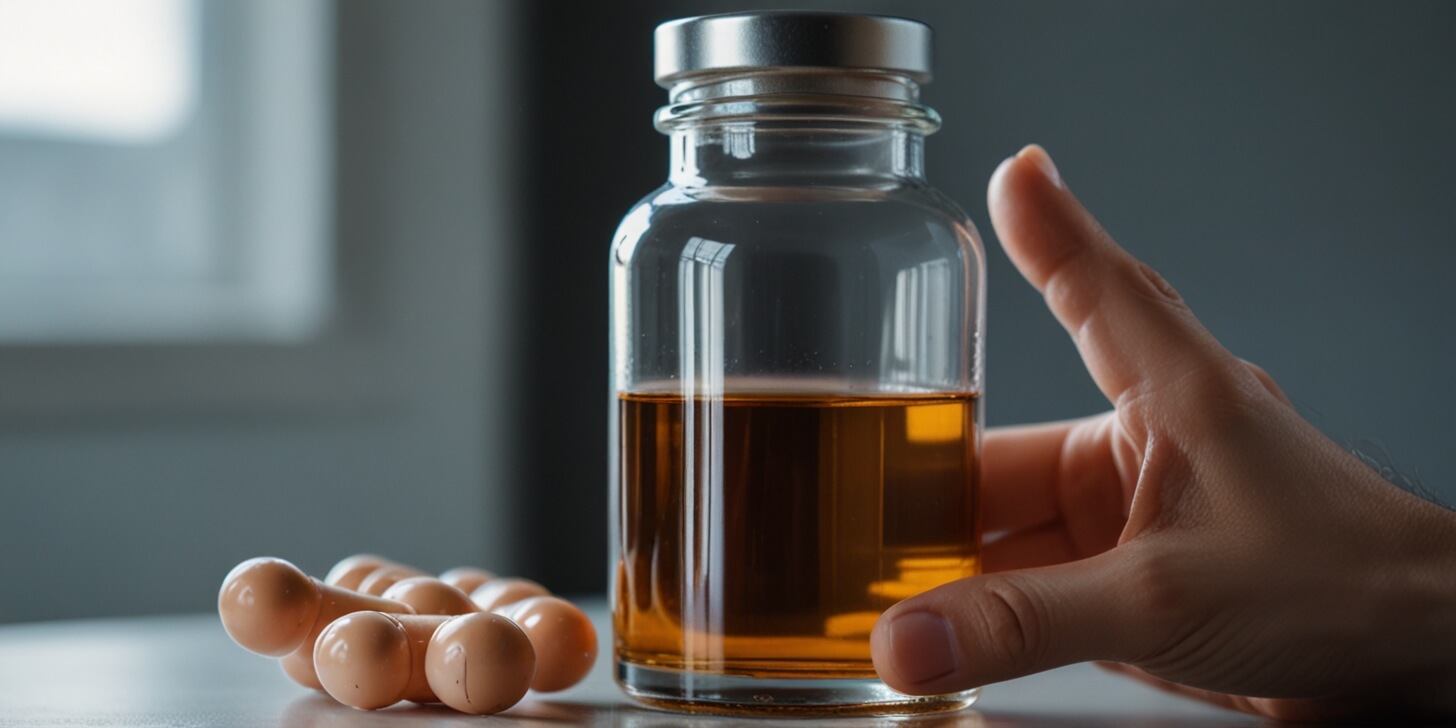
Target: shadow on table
(319, 711)
(1018, 720)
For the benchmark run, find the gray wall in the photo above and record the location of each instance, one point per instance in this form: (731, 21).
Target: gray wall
(132, 478)
(1290, 167)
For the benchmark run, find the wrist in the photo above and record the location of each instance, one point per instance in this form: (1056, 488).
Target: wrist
(1426, 608)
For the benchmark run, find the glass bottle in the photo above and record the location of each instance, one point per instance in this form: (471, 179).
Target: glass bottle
(796, 370)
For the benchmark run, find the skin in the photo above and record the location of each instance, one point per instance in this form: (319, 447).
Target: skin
(1201, 536)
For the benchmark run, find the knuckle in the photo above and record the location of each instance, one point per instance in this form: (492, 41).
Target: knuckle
(1265, 380)
(1010, 628)
(1214, 387)
(1259, 372)
(1153, 285)
(1069, 295)
(1136, 408)
(1222, 399)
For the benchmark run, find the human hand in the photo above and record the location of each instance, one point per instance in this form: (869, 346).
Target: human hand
(1202, 536)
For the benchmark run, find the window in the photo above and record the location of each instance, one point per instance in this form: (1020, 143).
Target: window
(164, 170)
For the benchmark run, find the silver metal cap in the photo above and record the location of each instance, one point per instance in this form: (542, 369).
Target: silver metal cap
(799, 39)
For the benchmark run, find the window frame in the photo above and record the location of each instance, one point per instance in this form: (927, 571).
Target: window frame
(262, 105)
(350, 364)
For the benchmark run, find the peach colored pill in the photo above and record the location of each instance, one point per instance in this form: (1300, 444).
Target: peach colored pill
(381, 579)
(349, 572)
(298, 666)
(373, 660)
(563, 637)
(498, 593)
(480, 663)
(269, 606)
(466, 578)
(428, 595)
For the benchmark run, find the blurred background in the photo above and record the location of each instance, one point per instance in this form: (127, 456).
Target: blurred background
(305, 279)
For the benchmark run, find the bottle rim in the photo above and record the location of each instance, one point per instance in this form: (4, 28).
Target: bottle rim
(800, 113)
(798, 96)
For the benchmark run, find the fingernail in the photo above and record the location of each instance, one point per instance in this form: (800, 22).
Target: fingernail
(923, 647)
(1043, 162)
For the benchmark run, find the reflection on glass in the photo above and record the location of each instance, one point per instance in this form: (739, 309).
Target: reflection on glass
(914, 348)
(700, 329)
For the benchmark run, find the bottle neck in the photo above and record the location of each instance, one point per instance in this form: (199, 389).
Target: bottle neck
(796, 128)
(716, 155)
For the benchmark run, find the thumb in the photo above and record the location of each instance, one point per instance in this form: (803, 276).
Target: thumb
(986, 629)
(1134, 332)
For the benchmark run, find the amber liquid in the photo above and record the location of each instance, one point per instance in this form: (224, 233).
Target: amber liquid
(763, 535)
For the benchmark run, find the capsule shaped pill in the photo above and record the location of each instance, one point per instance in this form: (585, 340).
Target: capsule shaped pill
(350, 571)
(372, 660)
(466, 578)
(271, 607)
(480, 663)
(428, 595)
(563, 637)
(498, 593)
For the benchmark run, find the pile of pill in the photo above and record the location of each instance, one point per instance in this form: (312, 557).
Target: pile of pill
(375, 632)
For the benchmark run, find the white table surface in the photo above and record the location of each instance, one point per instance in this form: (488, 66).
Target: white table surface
(184, 671)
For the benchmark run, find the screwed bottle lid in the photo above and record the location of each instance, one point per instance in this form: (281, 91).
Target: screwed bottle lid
(794, 39)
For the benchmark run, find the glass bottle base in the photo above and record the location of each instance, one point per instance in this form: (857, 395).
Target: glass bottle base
(737, 695)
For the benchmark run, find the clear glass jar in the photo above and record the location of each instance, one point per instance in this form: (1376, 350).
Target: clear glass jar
(796, 367)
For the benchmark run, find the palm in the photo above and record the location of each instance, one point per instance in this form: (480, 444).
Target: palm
(1061, 492)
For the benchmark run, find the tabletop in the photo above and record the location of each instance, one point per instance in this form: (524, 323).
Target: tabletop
(184, 671)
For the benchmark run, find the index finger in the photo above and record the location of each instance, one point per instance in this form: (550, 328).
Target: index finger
(1134, 333)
